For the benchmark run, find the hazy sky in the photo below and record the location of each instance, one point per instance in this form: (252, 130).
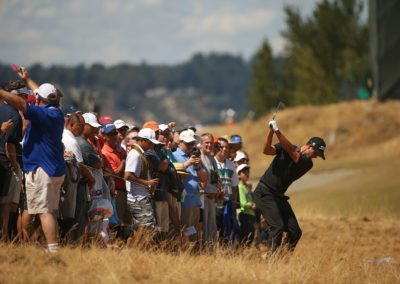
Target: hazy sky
(156, 31)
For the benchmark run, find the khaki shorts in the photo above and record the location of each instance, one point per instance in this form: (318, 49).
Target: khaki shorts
(42, 192)
(162, 216)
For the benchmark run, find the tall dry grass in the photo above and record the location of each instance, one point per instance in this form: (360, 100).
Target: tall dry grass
(331, 251)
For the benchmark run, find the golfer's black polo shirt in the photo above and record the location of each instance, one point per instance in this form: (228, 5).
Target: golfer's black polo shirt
(283, 171)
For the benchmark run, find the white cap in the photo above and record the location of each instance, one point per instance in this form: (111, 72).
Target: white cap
(242, 167)
(163, 127)
(187, 136)
(46, 90)
(149, 134)
(91, 119)
(120, 123)
(240, 155)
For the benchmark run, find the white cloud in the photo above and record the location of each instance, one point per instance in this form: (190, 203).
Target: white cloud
(226, 23)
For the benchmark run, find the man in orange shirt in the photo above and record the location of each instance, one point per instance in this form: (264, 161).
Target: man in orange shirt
(114, 161)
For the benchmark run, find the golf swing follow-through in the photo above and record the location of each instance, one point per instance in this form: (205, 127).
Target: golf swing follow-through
(290, 163)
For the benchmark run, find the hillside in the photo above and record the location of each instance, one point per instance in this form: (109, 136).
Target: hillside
(353, 131)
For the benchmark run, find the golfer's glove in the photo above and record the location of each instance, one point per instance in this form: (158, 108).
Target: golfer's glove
(273, 125)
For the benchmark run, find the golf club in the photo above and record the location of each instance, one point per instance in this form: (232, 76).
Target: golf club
(280, 106)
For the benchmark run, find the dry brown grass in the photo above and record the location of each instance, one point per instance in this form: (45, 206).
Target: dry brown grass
(349, 226)
(331, 251)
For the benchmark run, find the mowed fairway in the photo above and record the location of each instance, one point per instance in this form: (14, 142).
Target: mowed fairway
(351, 227)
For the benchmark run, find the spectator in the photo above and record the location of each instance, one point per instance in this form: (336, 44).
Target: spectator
(73, 129)
(131, 138)
(226, 214)
(158, 163)
(211, 189)
(139, 183)
(10, 167)
(240, 158)
(42, 154)
(247, 215)
(190, 207)
(114, 160)
(122, 129)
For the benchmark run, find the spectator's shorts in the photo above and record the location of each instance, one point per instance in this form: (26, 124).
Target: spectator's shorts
(14, 189)
(141, 209)
(42, 192)
(162, 216)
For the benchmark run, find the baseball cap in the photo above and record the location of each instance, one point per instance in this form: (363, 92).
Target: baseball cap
(105, 119)
(180, 169)
(149, 134)
(46, 91)
(108, 128)
(236, 139)
(119, 123)
(239, 155)
(242, 167)
(151, 124)
(91, 119)
(187, 136)
(163, 127)
(318, 145)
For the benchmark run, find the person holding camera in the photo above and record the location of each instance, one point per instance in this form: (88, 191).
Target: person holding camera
(190, 212)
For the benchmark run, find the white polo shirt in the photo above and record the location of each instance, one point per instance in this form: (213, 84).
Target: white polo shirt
(72, 145)
(134, 165)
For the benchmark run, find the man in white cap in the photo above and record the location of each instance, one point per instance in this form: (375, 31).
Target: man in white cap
(140, 185)
(42, 153)
(190, 213)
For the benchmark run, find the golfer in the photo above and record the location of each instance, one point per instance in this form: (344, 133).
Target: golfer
(290, 163)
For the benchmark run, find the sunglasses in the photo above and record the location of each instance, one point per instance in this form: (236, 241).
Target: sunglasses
(190, 144)
(113, 133)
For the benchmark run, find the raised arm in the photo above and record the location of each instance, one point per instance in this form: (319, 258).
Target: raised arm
(286, 144)
(268, 148)
(24, 74)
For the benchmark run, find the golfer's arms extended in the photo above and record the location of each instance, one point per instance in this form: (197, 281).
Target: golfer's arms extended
(288, 147)
(268, 148)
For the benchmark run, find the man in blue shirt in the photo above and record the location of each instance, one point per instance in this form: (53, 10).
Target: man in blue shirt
(42, 153)
(190, 213)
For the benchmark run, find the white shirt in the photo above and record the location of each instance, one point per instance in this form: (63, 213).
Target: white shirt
(134, 165)
(72, 145)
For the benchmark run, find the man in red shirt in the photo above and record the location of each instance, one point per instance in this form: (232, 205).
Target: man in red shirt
(114, 161)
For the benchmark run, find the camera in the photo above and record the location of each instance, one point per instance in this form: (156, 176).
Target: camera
(196, 152)
(214, 177)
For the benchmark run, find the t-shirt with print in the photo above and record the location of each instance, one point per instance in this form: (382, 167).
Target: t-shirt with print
(228, 176)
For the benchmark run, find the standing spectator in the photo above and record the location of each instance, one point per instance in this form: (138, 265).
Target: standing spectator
(226, 215)
(122, 129)
(91, 157)
(42, 154)
(73, 129)
(159, 163)
(190, 212)
(139, 183)
(211, 189)
(247, 215)
(10, 167)
(130, 138)
(114, 160)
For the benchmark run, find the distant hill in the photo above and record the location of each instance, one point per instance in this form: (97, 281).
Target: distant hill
(353, 130)
(195, 91)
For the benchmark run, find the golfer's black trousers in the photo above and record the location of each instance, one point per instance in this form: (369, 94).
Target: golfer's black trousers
(279, 216)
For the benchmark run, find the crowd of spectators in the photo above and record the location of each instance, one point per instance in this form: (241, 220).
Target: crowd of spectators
(78, 175)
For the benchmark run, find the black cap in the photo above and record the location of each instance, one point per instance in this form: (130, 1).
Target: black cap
(318, 145)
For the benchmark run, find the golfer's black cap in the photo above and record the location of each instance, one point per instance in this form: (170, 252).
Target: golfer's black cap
(318, 145)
